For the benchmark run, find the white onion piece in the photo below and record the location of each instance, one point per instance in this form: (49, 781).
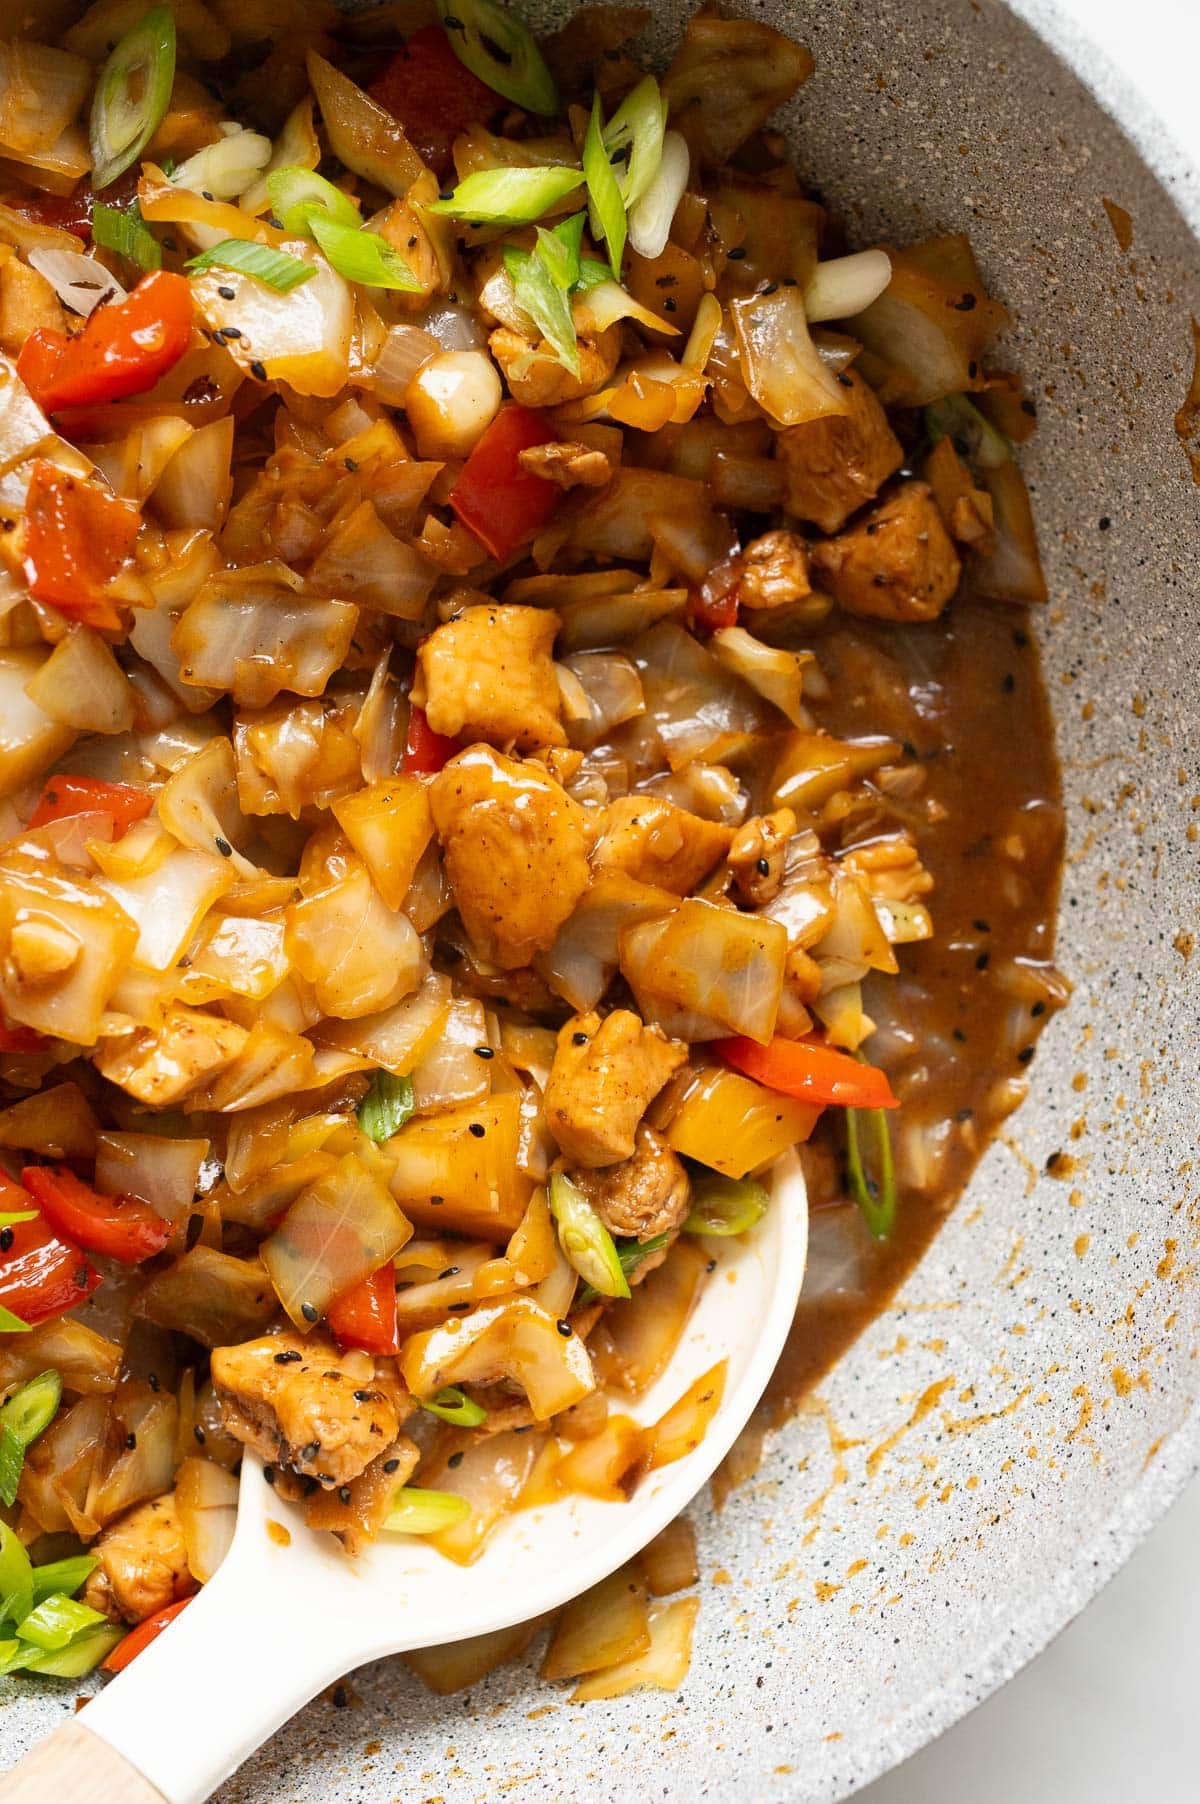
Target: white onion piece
(405, 349)
(206, 1501)
(80, 282)
(612, 692)
(843, 286)
(455, 327)
(227, 168)
(650, 217)
(451, 1073)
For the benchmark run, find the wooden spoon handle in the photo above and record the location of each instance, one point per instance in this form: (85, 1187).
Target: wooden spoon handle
(73, 1763)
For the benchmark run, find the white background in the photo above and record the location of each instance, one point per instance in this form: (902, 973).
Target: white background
(1110, 1714)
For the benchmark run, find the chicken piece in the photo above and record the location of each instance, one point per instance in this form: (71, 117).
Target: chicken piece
(300, 1403)
(536, 377)
(897, 564)
(27, 301)
(758, 855)
(143, 1563)
(604, 1077)
(515, 848)
(158, 1068)
(835, 463)
(490, 675)
(356, 1512)
(969, 512)
(890, 867)
(645, 1195)
(568, 464)
(658, 842)
(773, 571)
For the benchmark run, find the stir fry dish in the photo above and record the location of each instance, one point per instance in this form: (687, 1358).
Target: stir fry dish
(438, 473)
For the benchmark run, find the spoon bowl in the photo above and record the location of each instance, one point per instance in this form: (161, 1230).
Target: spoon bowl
(288, 1612)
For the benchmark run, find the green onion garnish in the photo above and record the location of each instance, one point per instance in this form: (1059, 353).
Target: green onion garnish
(605, 203)
(27, 1412)
(126, 233)
(538, 293)
(62, 1575)
(361, 256)
(386, 1107)
(16, 1577)
(638, 126)
(591, 273)
(453, 1405)
(80, 1656)
(630, 1253)
(509, 196)
(296, 194)
(584, 1238)
(56, 1622)
(956, 418)
(132, 94)
(274, 268)
(724, 1206)
(418, 1512)
(12, 1324)
(494, 45)
(875, 1193)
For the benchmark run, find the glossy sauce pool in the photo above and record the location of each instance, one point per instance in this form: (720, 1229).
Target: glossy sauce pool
(965, 694)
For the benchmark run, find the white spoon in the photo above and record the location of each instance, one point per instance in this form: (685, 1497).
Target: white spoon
(277, 1623)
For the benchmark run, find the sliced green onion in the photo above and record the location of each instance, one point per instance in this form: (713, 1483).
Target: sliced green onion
(27, 1412)
(126, 233)
(12, 1324)
(630, 1253)
(386, 1107)
(724, 1206)
(638, 126)
(605, 203)
(973, 435)
(496, 46)
(509, 196)
(584, 1238)
(62, 1575)
(16, 1577)
(591, 273)
(274, 268)
(875, 1193)
(537, 293)
(80, 1656)
(132, 94)
(362, 256)
(296, 194)
(453, 1405)
(418, 1512)
(56, 1622)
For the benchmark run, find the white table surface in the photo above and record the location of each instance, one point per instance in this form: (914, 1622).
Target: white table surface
(1110, 1713)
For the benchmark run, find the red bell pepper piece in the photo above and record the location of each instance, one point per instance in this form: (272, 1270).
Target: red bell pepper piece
(123, 350)
(63, 797)
(433, 95)
(365, 1317)
(140, 1637)
(76, 539)
(502, 504)
(119, 1227)
(812, 1071)
(41, 1274)
(710, 611)
(424, 750)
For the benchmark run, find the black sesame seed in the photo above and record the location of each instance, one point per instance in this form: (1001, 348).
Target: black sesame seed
(224, 847)
(1009, 683)
(309, 1313)
(169, 244)
(309, 1453)
(152, 1380)
(391, 1465)
(959, 1035)
(344, 1494)
(1025, 1054)
(232, 331)
(351, 465)
(670, 306)
(769, 288)
(564, 1328)
(269, 1474)
(451, 1271)
(736, 254)
(966, 305)
(982, 926)
(362, 1396)
(763, 867)
(227, 294)
(258, 370)
(286, 1359)
(218, 338)
(983, 961)
(1039, 1008)
(477, 1128)
(484, 1052)
(579, 1039)
(340, 1697)
(200, 1435)
(436, 1201)
(205, 195)
(131, 1441)
(6, 1239)
(711, 1266)
(845, 380)
(458, 1307)
(455, 1461)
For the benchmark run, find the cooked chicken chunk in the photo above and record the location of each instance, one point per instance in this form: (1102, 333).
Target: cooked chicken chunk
(515, 848)
(657, 842)
(604, 1077)
(897, 564)
(159, 1068)
(645, 1195)
(356, 1512)
(535, 375)
(490, 675)
(300, 1403)
(568, 464)
(143, 1563)
(835, 463)
(773, 571)
(758, 854)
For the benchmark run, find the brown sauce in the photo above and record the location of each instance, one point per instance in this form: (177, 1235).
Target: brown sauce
(966, 694)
